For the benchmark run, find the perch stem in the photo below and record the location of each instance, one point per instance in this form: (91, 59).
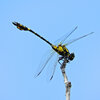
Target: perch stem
(67, 83)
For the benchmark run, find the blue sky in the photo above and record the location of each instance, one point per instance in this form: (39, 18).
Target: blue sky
(21, 52)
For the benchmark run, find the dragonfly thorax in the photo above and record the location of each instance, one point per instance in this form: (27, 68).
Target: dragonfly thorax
(61, 50)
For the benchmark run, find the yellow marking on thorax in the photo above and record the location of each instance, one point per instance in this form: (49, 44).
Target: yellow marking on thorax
(60, 49)
(65, 49)
(57, 48)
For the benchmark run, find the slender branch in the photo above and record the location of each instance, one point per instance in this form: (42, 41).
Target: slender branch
(67, 83)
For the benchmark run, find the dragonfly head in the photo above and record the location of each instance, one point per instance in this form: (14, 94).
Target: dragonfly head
(71, 56)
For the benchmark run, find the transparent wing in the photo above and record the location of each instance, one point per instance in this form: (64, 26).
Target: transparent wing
(70, 42)
(44, 62)
(62, 39)
(54, 68)
(51, 67)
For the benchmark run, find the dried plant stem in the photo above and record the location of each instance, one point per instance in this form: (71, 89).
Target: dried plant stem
(67, 83)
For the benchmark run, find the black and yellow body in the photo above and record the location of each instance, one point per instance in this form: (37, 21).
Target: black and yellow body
(60, 49)
(20, 26)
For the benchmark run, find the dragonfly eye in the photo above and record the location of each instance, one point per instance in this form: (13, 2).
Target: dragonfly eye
(71, 56)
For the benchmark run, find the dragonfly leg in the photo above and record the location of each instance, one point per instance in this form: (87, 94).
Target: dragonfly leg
(60, 58)
(59, 62)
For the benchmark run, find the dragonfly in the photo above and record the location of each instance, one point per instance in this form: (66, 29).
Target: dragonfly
(60, 49)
